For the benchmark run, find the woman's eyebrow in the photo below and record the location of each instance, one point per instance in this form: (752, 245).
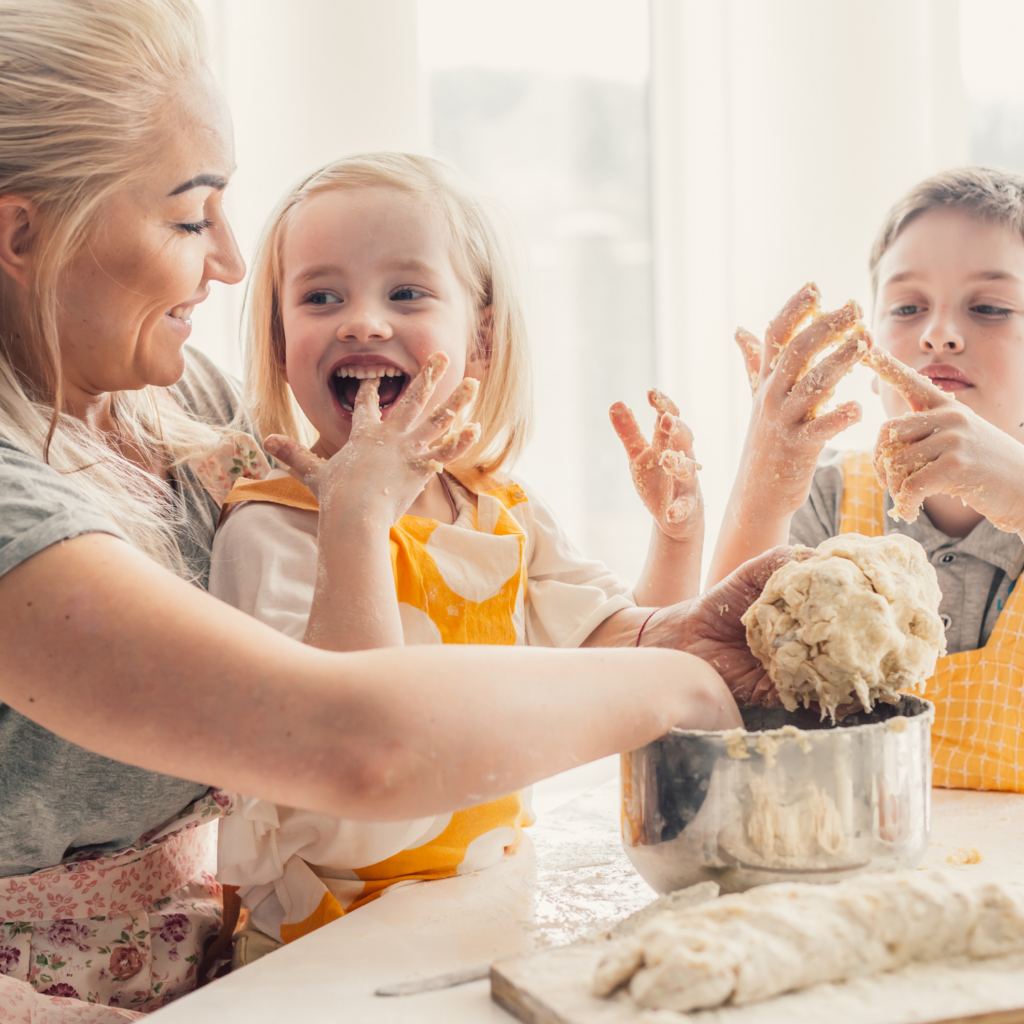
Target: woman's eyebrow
(199, 181)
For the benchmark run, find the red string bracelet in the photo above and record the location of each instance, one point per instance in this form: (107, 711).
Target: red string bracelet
(644, 626)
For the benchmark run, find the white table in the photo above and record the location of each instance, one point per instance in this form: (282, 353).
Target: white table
(569, 878)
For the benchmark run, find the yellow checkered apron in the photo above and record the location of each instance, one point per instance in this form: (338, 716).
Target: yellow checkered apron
(978, 695)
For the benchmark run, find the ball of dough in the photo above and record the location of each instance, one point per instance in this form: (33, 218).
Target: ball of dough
(856, 617)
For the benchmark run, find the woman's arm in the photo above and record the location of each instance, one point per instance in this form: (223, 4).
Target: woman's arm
(110, 651)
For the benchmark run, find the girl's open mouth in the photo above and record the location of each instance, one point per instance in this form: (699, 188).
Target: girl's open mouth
(345, 383)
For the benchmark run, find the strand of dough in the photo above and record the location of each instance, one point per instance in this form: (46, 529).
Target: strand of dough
(778, 938)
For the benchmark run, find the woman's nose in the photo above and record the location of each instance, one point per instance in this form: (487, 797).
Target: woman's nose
(942, 337)
(363, 323)
(225, 263)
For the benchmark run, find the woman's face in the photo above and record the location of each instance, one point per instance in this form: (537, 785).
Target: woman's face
(127, 298)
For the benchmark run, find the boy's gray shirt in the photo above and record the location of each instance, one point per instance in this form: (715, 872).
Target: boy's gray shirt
(976, 573)
(56, 798)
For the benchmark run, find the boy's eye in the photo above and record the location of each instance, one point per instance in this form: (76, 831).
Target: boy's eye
(323, 299)
(909, 309)
(997, 312)
(406, 294)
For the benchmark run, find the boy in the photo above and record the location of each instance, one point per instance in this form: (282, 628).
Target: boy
(948, 278)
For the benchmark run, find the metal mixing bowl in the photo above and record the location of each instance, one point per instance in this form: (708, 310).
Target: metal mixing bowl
(814, 802)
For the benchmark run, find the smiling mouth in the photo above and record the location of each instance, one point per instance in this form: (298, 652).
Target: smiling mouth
(345, 383)
(181, 313)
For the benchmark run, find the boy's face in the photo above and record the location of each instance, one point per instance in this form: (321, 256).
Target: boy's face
(950, 303)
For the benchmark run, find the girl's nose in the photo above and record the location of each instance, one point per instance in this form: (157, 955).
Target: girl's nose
(942, 337)
(363, 324)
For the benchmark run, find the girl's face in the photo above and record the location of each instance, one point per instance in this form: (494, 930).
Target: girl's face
(950, 304)
(368, 290)
(126, 300)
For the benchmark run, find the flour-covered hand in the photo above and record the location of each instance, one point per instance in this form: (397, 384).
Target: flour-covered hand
(386, 462)
(664, 470)
(944, 447)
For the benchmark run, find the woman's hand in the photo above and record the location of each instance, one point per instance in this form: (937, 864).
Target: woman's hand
(944, 447)
(710, 628)
(787, 430)
(386, 463)
(664, 472)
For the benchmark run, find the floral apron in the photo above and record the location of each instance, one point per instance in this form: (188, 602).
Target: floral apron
(124, 929)
(977, 738)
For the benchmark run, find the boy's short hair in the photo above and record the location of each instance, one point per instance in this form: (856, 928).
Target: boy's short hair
(988, 193)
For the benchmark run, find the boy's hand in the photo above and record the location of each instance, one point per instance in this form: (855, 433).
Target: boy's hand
(664, 472)
(786, 434)
(944, 447)
(385, 465)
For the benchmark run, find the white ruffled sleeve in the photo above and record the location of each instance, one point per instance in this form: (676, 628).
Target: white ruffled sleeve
(567, 596)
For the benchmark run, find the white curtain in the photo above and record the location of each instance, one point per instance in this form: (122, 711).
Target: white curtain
(782, 131)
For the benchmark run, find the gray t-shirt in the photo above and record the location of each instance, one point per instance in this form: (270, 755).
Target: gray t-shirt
(976, 573)
(57, 799)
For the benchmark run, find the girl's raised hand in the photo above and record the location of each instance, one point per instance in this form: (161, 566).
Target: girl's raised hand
(664, 471)
(787, 431)
(386, 463)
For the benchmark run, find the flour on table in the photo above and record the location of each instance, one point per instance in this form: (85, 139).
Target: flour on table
(855, 619)
(780, 938)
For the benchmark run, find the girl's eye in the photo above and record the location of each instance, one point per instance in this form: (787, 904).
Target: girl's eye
(908, 310)
(324, 299)
(406, 294)
(996, 312)
(196, 227)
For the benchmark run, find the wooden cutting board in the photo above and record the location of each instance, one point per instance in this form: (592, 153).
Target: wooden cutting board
(553, 987)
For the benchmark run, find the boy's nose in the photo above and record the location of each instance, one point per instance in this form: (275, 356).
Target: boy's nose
(942, 337)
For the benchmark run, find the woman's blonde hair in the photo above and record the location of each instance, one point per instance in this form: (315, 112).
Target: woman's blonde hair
(483, 257)
(82, 90)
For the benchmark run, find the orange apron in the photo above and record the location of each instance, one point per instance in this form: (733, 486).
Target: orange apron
(977, 741)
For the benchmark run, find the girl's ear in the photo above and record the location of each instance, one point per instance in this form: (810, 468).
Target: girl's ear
(17, 218)
(478, 360)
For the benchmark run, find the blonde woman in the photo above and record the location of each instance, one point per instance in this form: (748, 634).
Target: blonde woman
(127, 690)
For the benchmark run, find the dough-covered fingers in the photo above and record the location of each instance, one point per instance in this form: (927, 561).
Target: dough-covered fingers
(672, 434)
(661, 402)
(914, 388)
(751, 348)
(800, 307)
(301, 462)
(408, 408)
(815, 389)
(448, 449)
(828, 329)
(441, 419)
(366, 407)
(824, 428)
(628, 430)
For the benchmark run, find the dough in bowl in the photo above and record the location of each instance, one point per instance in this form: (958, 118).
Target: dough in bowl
(856, 618)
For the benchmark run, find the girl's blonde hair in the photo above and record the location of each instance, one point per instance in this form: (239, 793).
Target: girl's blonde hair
(483, 257)
(82, 88)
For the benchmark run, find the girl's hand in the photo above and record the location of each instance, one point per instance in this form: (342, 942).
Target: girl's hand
(786, 433)
(944, 447)
(664, 472)
(385, 465)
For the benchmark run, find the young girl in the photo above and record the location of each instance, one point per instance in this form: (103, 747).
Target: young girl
(381, 286)
(948, 278)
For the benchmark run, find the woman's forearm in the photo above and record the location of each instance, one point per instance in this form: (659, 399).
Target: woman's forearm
(108, 650)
